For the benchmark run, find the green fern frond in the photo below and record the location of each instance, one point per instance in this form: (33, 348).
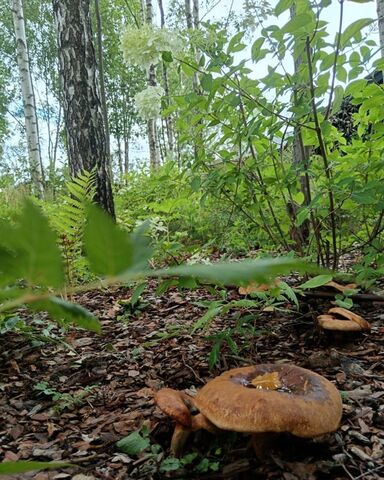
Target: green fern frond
(71, 218)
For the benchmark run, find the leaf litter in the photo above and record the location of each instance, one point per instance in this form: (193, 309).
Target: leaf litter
(105, 385)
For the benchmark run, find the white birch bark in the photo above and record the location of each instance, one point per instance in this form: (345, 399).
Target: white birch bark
(154, 157)
(380, 16)
(30, 117)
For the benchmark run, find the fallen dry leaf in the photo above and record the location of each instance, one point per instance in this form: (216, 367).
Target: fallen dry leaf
(269, 381)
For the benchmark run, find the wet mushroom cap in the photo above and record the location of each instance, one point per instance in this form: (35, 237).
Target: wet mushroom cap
(304, 404)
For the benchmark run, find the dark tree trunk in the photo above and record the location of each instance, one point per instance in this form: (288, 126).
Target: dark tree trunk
(87, 148)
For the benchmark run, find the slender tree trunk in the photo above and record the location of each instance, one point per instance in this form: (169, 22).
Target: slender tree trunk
(101, 72)
(31, 123)
(81, 96)
(380, 16)
(192, 20)
(168, 118)
(119, 156)
(188, 14)
(126, 155)
(154, 158)
(195, 13)
(300, 161)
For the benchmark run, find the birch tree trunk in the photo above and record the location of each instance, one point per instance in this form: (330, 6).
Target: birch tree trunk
(154, 158)
(380, 16)
(104, 107)
(168, 118)
(84, 123)
(30, 117)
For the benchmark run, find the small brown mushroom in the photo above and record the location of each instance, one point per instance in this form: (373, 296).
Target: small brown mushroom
(178, 406)
(349, 322)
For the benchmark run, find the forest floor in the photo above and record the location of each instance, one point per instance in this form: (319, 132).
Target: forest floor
(111, 380)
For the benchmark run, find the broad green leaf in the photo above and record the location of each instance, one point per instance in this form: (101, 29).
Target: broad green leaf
(234, 44)
(109, 249)
(167, 57)
(133, 444)
(338, 98)
(22, 466)
(37, 258)
(238, 272)
(327, 62)
(297, 22)
(354, 29)
(365, 197)
(9, 266)
(69, 312)
(206, 82)
(302, 215)
(317, 281)
(281, 6)
(256, 48)
(360, 1)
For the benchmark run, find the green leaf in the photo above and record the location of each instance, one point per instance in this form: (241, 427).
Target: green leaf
(234, 44)
(238, 272)
(196, 184)
(205, 320)
(256, 49)
(110, 250)
(354, 29)
(338, 98)
(360, 1)
(133, 444)
(170, 464)
(297, 22)
(69, 312)
(36, 255)
(21, 466)
(282, 6)
(327, 62)
(167, 57)
(206, 82)
(136, 294)
(316, 281)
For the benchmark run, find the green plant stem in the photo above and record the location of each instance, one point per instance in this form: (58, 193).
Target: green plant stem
(72, 290)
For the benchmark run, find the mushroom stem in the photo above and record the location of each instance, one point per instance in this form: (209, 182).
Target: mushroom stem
(200, 422)
(262, 444)
(179, 437)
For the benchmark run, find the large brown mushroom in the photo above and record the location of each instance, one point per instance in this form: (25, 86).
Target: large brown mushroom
(270, 398)
(301, 402)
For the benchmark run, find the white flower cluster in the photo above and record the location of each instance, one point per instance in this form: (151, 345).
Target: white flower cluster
(148, 102)
(143, 46)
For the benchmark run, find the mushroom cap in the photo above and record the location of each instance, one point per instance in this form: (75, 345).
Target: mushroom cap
(328, 322)
(173, 403)
(305, 404)
(351, 322)
(343, 312)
